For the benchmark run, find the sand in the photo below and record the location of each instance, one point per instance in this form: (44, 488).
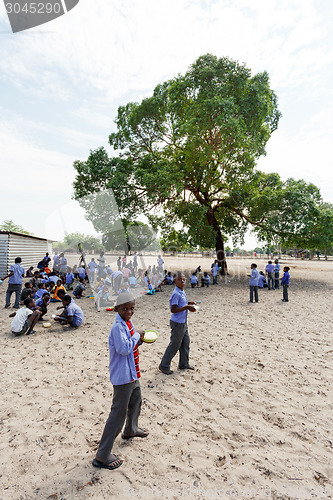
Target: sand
(253, 421)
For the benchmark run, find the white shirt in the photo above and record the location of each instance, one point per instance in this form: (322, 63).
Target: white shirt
(19, 319)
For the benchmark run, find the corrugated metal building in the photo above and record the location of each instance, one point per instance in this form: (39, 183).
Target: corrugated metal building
(30, 248)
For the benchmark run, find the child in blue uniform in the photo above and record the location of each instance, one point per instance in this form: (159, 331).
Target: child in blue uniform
(285, 283)
(180, 339)
(124, 376)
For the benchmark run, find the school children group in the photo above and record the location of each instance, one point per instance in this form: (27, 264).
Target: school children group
(270, 280)
(44, 286)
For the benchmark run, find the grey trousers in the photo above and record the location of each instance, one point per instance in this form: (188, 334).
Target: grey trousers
(270, 278)
(126, 403)
(13, 288)
(285, 292)
(179, 341)
(255, 290)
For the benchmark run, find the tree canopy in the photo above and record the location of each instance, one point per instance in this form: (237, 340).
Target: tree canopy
(9, 225)
(189, 152)
(71, 241)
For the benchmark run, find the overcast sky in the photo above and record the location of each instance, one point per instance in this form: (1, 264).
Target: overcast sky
(61, 85)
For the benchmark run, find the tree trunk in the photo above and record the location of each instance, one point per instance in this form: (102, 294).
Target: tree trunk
(219, 244)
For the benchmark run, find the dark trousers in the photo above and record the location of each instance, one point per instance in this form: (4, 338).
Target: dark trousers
(13, 288)
(179, 341)
(270, 278)
(255, 290)
(126, 405)
(285, 292)
(277, 279)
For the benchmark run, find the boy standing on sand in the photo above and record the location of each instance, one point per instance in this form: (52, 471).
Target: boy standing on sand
(124, 376)
(180, 339)
(285, 283)
(254, 282)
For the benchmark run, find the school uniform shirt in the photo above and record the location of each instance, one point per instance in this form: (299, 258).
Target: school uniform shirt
(277, 268)
(285, 278)
(269, 268)
(78, 288)
(261, 281)
(74, 310)
(132, 280)
(194, 279)
(121, 346)
(63, 264)
(214, 270)
(54, 279)
(19, 319)
(40, 303)
(40, 293)
(169, 279)
(254, 280)
(115, 274)
(206, 279)
(92, 266)
(178, 298)
(17, 277)
(82, 272)
(69, 278)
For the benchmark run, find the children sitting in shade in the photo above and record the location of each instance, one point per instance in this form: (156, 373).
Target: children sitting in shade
(168, 279)
(102, 298)
(72, 314)
(262, 283)
(205, 280)
(69, 279)
(41, 290)
(26, 292)
(78, 290)
(132, 281)
(25, 319)
(194, 280)
(41, 305)
(59, 286)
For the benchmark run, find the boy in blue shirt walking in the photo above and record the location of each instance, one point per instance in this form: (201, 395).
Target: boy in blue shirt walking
(180, 339)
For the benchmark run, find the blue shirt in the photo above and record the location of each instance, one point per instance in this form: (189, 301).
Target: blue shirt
(254, 280)
(92, 266)
(74, 310)
(121, 345)
(269, 268)
(17, 278)
(261, 281)
(194, 279)
(178, 298)
(40, 292)
(285, 279)
(69, 278)
(277, 267)
(82, 272)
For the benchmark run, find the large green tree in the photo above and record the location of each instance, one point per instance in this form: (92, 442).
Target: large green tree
(189, 151)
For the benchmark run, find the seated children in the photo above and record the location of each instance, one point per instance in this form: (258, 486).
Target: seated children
(194, 280)
(82, 272)
(69, 279)
(41, 290)
(262, 283)
(25, 319)
(78, 290)
(26, 292)
(132, 281)
(29, 272)
(59, 286)
(205, 280)
(72, 314)
(124, 287)
(102, 298)
(168, 279)
(41, 305)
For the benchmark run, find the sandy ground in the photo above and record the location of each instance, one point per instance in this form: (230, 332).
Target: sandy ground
(253, 421)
